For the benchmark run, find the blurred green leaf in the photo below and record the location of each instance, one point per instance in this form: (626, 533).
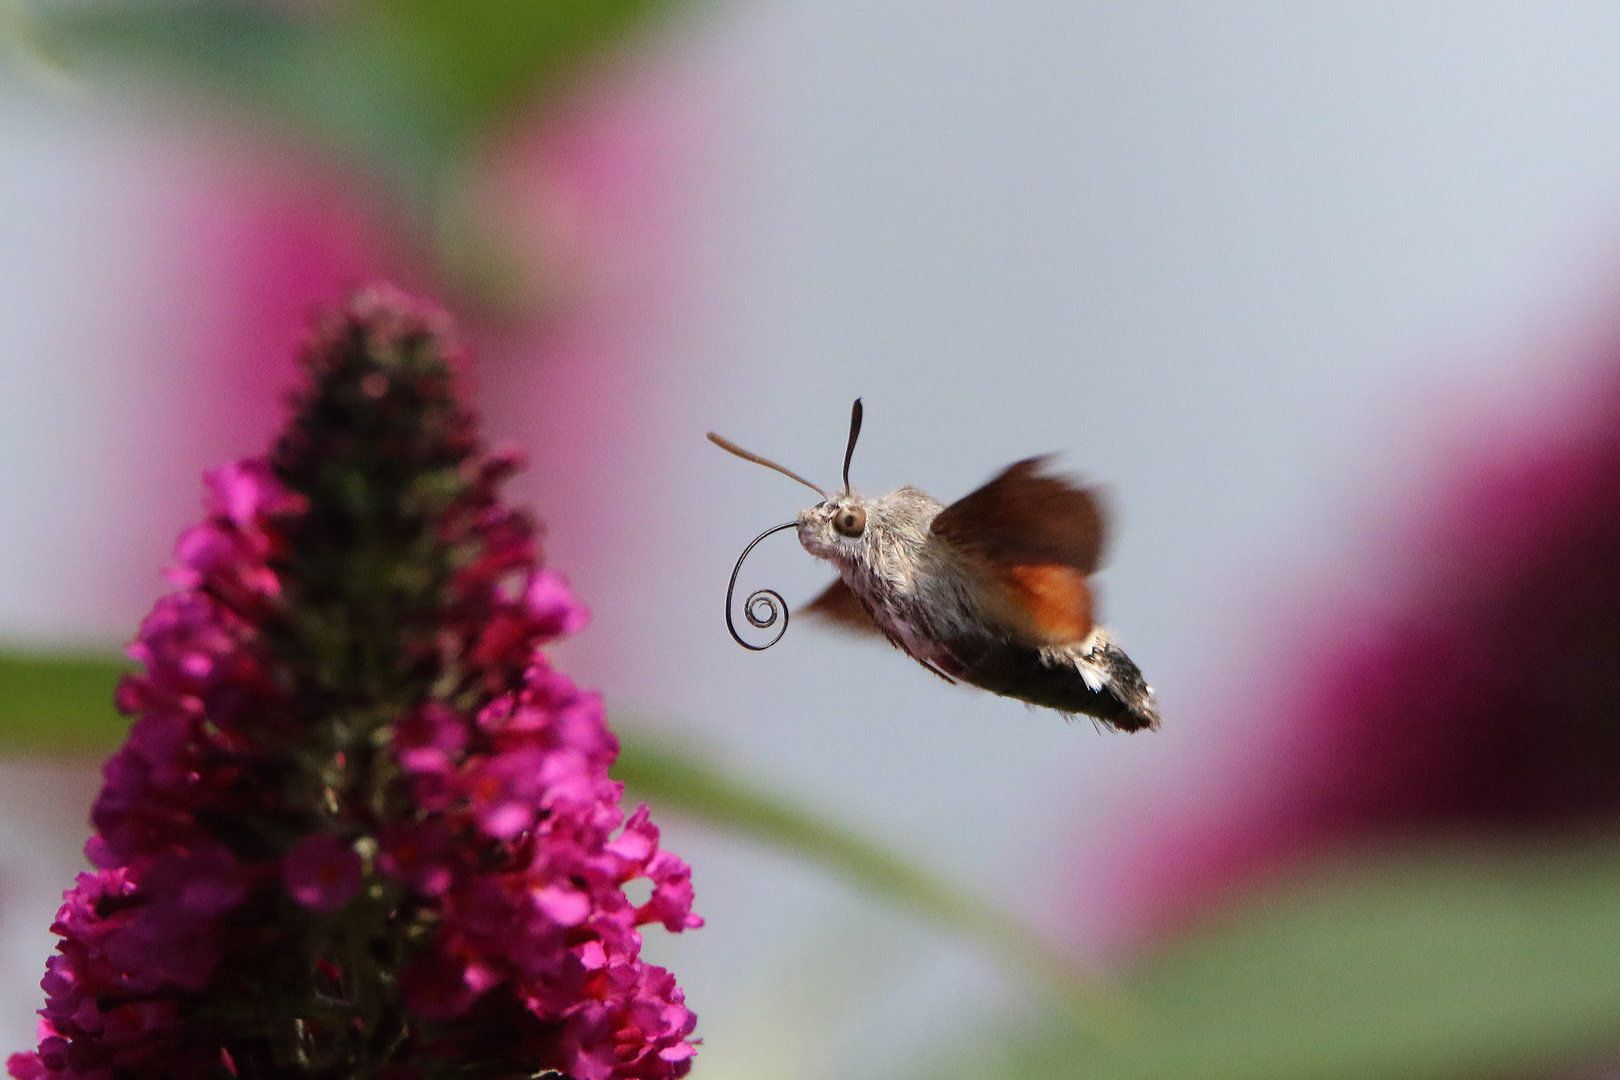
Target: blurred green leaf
(481, 60)
(414, 88)
(328, 77)
(20, 47)
(60, 704)
(1448, 964)
(676, 780)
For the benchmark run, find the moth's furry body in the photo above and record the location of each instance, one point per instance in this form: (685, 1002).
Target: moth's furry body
(990, 590)
(930, 599)
(913, 590)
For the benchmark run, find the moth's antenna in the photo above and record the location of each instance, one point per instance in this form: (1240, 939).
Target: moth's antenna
(732, 448)
(854, 433)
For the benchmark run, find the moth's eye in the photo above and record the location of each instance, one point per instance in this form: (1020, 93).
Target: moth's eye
(850, 521)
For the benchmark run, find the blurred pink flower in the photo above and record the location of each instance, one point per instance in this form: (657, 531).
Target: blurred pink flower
(1473, 692)
(247, 234)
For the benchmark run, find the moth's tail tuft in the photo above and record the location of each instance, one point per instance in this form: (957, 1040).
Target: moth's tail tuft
(1122, 680)
(1093, 677)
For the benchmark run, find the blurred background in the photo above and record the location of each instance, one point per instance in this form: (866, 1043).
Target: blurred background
(1324, 295)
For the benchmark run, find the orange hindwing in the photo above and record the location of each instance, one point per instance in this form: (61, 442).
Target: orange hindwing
(1046, 604)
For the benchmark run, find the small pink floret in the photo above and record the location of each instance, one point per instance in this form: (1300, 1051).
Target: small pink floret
(322, 872)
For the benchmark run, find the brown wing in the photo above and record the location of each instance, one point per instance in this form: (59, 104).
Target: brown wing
(840, 608)
(1028, 517)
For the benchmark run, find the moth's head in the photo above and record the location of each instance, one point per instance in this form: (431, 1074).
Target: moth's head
(836, 528)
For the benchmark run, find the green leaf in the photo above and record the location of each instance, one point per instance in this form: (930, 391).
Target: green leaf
(1457, 963)
(412, 87)
(60, 703)
(677, 780)
(326, 77)
(483, 59)
(20, 48)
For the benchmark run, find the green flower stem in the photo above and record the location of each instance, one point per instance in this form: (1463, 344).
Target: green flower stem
(676, 780)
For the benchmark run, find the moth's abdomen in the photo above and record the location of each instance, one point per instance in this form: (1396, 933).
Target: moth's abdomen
(1095, 678)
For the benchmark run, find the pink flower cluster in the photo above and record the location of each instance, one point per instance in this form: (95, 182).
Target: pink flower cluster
(344, 841)
(554, 922)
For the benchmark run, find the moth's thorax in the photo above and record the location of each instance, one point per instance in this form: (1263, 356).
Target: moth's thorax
(908, 579)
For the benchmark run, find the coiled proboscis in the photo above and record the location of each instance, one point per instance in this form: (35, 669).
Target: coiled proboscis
(764, 606)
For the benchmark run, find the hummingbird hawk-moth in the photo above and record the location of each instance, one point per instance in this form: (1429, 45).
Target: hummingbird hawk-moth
(990, 590)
